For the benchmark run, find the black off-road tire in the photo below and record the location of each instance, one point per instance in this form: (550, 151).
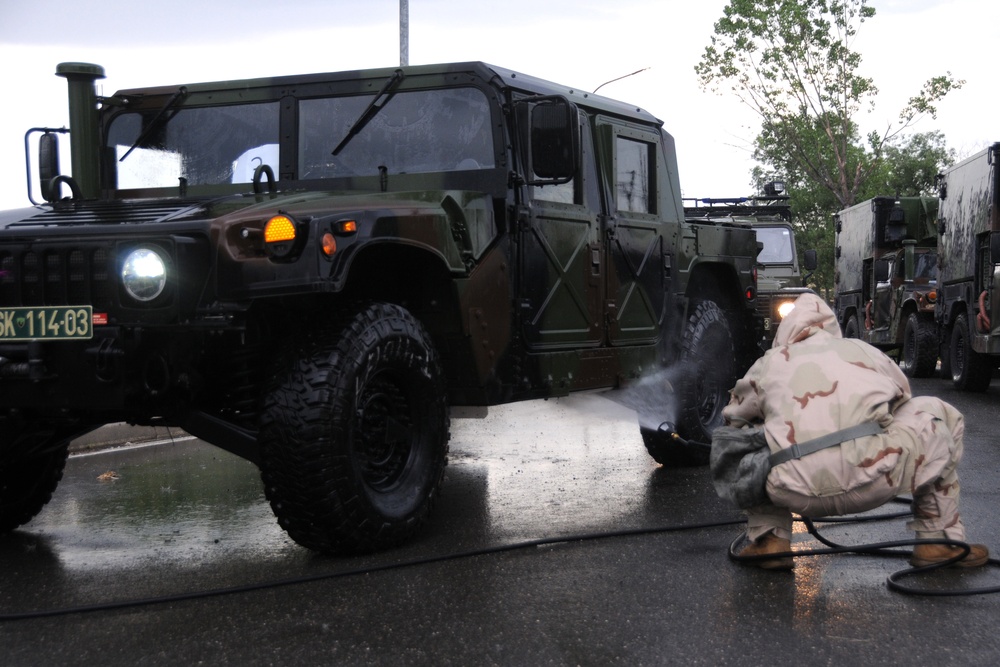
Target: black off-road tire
(354, 433)
(970, 371)
(852, 329)
(920, 347)
(707, 373)
(27, 482)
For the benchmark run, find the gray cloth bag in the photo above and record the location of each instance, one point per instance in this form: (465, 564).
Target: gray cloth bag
(740, 462)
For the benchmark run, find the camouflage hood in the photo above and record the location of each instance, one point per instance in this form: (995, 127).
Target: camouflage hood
(810, 316)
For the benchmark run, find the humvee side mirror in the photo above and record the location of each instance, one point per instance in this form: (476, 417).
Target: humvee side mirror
(809, 260)
(554, 141)
(48, 165)
(995, 248)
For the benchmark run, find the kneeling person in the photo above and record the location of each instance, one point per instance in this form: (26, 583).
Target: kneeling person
(813, 383)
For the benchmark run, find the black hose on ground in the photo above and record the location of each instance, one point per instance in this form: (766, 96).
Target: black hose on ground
(877, 549)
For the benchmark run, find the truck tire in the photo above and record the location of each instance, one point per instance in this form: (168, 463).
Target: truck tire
(354, 433)
(851, 327)
(27, 483)
(920, 346)
(707, 374)
(970, 371)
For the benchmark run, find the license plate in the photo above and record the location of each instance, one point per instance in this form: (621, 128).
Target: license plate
(46, 323)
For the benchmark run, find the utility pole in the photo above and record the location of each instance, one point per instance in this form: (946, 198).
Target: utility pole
(404, 33)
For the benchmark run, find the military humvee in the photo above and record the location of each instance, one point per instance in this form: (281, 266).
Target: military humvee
(312, 271)
(779, 277)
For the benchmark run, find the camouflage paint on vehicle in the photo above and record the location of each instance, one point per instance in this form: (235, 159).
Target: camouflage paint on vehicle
(526, 237)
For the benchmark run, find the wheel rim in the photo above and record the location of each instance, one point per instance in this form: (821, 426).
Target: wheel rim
(708, 391)
(713, 380)
(383, 432)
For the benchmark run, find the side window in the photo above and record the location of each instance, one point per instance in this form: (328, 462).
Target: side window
(634, 177)
(564, 193)
(582, 190)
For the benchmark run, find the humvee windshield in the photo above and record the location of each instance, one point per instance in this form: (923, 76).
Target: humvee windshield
(924, 267)
(416, 131)
(777, 245)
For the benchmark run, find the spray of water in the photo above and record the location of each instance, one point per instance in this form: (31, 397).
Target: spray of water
(654, 397)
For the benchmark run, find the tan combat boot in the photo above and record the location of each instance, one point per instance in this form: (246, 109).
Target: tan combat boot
(929, 554)
(769, 544)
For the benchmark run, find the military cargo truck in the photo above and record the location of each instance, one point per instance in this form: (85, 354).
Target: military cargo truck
(886, 278)
(968, 307)
(779, 277)
(311, 271)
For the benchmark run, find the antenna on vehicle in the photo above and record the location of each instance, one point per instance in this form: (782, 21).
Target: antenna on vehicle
(612, 80)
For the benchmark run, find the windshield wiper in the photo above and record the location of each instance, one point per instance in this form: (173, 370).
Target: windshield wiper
(379, 101)
(155, 124)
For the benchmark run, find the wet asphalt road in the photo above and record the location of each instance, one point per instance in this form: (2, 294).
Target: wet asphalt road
(184, 517)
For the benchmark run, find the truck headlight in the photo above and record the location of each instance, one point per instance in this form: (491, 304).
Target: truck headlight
(784, 308)
(144, 274)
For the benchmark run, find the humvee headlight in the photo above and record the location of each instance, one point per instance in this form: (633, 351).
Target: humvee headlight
(784, 308)
(144, 274)
(932, 296)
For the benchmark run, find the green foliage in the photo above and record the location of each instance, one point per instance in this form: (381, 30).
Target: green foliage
(791, 62)
(909, 168)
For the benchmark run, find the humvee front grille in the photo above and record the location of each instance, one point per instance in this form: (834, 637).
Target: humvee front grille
(56, 276)
(764, 305)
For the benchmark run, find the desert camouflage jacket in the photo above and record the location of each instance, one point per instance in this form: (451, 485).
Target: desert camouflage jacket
(813, 382)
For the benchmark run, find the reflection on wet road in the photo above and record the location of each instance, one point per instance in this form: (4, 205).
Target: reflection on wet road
(183, 516)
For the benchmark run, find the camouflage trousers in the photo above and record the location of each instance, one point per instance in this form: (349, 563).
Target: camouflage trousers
(930, 433)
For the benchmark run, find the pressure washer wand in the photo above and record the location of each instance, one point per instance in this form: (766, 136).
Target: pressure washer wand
(670, 429)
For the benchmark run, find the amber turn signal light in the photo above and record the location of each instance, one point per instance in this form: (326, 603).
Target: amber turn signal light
(278, 229)
(329, 244)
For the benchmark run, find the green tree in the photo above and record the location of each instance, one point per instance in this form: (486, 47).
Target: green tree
(791, 62)
(908, 168)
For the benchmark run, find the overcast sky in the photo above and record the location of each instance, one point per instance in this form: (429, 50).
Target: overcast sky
(581, 43)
